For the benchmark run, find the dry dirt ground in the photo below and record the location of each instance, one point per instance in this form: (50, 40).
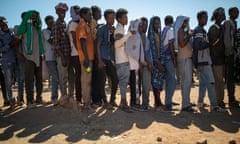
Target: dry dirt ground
(57, 125)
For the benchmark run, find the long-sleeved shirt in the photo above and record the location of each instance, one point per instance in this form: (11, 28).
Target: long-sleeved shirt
(201, 46)
(229, 32)
(8, 52)
(217, 49)
(60, 38)
(120, 53)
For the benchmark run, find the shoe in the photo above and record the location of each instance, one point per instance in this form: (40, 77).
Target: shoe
(19, 103)
(6, 103)
(125, 108)
(138, 107)
(188, 109)
(108, 106)
(31, 106)
(222, 105)
(234, 104)
(39, 102)
(159, 108)
(54, 102)
(113, 104)
(13, 106)
(218, 109)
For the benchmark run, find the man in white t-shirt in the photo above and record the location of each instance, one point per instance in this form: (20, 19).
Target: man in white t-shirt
(169, 60)
(74, 69)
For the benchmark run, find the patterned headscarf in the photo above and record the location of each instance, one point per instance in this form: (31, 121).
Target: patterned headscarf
(26, 27)
(152, 40)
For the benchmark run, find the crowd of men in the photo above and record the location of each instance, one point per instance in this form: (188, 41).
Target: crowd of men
(82, 55)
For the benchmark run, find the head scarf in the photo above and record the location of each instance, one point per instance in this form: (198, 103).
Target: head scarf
(75, 17)
(177, 25)
(152, 41)
(26, 27)
(62, 6)
(134, 46)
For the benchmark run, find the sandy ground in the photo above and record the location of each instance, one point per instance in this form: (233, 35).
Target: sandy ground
(55, 124)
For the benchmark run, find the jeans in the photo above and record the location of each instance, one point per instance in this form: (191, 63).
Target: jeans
(123, 72)
(53, 72)
(63, 76)
(86, 78)
(146, 85)
(218, 71)
(8, 70)
(230, 78)
(31, 71)
(185, 74)
(206, 81)
(170, 82)
(19, 70)
(109, 70)
(74, 78)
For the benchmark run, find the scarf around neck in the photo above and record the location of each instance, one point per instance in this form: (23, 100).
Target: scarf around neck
(26, 27)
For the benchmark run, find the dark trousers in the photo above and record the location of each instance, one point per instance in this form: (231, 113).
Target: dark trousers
(31, 71)
(110, 71)
(95, 91)
(230, 78)
(133, 82)
(74, 76)
(3, 86)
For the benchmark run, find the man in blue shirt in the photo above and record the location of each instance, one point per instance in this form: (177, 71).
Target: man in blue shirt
(7, 48)
(105, 54)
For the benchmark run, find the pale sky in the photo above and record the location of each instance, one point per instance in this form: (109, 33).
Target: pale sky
(12, 9)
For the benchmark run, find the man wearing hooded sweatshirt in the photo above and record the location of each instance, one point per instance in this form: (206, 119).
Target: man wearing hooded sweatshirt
(74, 69)
(30, 29)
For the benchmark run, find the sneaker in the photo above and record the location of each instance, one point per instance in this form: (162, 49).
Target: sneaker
(6, 103)
(188, 109)
(138, 107)
(222, 105)
(54, 102)
(200, 105)
(234, 104)
(19, 103)
(125, 108)
(218, 109)
(113, 104)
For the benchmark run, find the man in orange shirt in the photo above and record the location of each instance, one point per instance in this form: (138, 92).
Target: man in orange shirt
(85, 47)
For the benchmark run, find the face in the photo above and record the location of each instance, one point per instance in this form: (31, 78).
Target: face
(124, 19)
(144, 26)
(156, 25)
(185, 23)
(110, 18)
(77, 10)
(34, 17)
(97, 15)
(50, 22)
(235, 14)
(204, 19)
(61, 14)
(4, 26)
(88, 16)
(140, 27)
